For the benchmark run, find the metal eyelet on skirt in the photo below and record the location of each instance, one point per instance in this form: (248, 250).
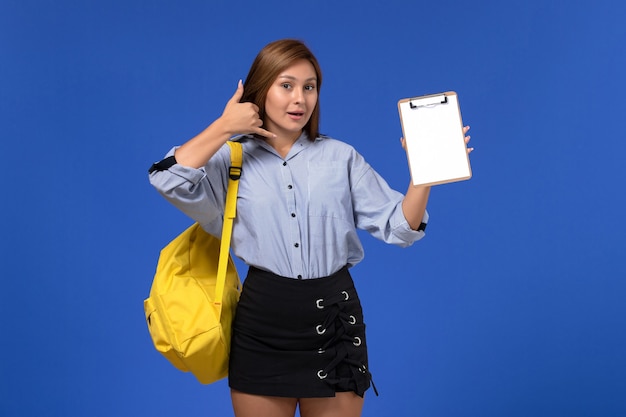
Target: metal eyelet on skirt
(321, 374)
(345, 294)
(357, 341)
(352, 320)
(319, 329)
(320, 351)
(317, 303)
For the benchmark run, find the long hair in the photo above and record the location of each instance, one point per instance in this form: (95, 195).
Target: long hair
(274, 58)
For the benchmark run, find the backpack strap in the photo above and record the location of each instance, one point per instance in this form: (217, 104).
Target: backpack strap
(163, 164)
(230, 212)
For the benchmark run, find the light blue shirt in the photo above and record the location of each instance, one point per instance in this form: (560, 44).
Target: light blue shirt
(296, 217)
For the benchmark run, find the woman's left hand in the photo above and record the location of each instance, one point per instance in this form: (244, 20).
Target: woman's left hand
(467, 139)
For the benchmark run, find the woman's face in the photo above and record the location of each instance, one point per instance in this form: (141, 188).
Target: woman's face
(291, 99)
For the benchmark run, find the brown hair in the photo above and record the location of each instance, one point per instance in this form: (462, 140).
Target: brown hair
(274, 58)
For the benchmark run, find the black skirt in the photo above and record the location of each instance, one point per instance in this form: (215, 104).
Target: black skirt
(298, 338)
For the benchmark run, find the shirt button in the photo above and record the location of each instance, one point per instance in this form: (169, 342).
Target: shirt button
(293, 214)
(299, 276)
(297, 245)
(290, 186)
(285, 163)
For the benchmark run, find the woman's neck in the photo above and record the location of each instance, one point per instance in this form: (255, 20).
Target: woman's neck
(282, 144)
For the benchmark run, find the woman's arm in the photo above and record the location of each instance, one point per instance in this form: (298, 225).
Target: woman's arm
(414, 204)
(237, 119)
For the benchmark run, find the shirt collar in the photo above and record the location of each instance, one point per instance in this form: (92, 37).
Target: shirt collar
(298, 146)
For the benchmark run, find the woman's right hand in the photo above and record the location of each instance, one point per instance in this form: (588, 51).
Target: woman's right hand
(243, 118)
(237, 119)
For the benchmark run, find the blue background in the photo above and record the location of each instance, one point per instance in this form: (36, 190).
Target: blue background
(513, 305)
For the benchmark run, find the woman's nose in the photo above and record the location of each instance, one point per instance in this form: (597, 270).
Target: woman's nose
(298, 96)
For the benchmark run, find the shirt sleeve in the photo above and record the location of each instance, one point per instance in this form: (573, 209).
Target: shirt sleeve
(199, 193)
(378, 208)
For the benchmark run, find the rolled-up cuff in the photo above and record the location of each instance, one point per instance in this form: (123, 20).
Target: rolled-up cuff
(404, 232)
(192, 175)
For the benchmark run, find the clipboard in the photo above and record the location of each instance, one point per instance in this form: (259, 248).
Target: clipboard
(435, 143)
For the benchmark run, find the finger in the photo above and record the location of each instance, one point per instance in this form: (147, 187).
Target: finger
(465, 129)
(265, 133)
(403, 143)
(467, 139)
(469, 150)
(238, 94)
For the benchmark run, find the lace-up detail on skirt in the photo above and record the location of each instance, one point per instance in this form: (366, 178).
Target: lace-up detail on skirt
(345, 336)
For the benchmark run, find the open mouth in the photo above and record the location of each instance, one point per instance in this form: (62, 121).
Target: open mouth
(296, 113)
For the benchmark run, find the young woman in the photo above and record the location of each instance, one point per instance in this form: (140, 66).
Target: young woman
(298, 336)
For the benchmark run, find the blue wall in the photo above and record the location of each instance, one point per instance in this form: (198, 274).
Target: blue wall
(512, 306)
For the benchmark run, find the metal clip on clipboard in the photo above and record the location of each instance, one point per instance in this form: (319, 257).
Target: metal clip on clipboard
(429, 101)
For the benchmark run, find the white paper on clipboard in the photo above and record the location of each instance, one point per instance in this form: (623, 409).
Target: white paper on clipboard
(433, 130)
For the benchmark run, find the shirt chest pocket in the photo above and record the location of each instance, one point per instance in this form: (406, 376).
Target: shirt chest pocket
(329, 190)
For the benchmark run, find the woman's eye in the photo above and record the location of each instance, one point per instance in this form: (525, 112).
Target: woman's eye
(286, 85)
(309, 87)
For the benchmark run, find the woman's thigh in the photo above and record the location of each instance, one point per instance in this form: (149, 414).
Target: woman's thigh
(249, 405)
(344, 404)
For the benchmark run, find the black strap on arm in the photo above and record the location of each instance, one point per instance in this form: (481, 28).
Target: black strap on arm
(163, 164)
(422, 227)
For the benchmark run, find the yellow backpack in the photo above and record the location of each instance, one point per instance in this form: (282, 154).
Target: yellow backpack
(195, 292)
